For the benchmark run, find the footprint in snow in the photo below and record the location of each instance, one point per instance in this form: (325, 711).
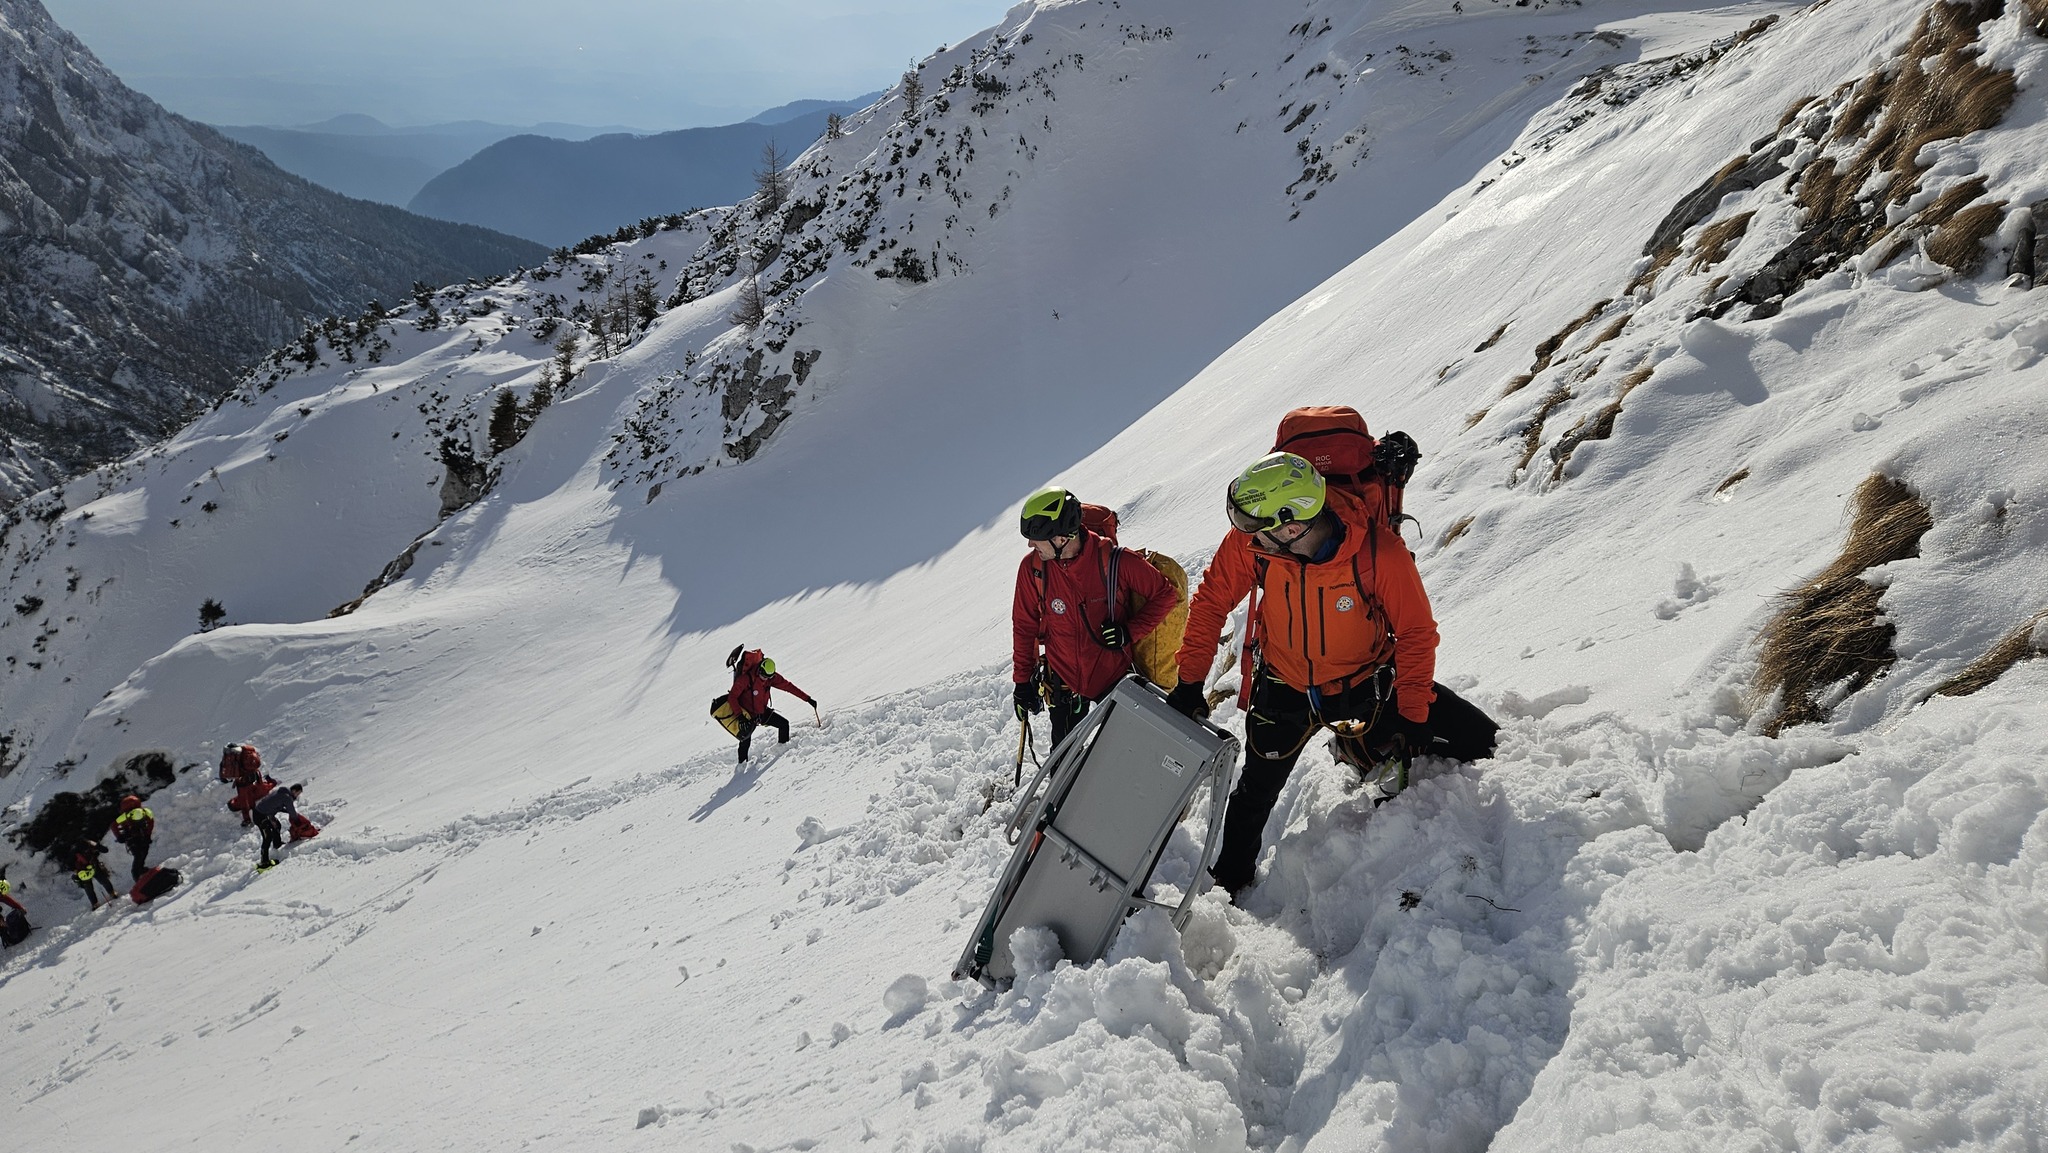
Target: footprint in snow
(1688, 590)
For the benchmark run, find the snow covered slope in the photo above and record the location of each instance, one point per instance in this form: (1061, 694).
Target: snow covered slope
(546, 910)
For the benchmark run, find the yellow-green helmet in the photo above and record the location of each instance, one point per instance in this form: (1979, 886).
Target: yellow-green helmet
(1279, 488)
(1050, 512)
(767, 666)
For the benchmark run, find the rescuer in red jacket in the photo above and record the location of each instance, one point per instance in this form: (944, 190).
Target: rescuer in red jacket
(753, 675)
(1072, 591)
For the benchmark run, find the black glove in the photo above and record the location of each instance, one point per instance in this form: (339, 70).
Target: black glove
(1028, 700)
(1413, 737)
(1395, 456)
(1187, 700)
(1114, 636)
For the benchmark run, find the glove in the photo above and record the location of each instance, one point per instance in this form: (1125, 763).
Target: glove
(1028, 700)
(1187, 700)
(1413, 736)
(1114, 636)
(1395, 456)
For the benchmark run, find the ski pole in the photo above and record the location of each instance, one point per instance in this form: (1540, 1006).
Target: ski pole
(816, 715)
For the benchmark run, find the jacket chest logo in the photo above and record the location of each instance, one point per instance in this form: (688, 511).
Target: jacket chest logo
(1059, 606)
(1345, 604)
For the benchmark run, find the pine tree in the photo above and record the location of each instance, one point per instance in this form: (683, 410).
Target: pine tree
(543, 393)
(565, 359)
(913, 95)
(506, 428)
(751, 309)
(210, 614)
(835, 126)
(771, 183)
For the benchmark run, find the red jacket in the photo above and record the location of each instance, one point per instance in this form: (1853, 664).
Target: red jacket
(750, 688)
(1323, 624)
(1065, 603)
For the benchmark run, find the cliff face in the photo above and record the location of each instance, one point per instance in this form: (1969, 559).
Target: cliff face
(146, 260)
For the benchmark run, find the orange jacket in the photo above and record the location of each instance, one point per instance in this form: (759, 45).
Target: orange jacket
(1323, 624)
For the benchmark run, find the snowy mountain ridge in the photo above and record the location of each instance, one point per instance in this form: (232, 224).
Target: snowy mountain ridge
(149, 261)
(1664, 916)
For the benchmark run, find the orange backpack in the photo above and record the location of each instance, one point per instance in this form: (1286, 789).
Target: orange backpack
(240, 761)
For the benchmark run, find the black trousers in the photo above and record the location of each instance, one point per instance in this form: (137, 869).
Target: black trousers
(106, 882)
(272, 832)
(139, 846)
(1281, 724)
(768, 717)
(1064, 710)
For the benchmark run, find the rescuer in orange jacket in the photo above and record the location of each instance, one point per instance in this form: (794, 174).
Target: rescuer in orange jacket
(1344, 633)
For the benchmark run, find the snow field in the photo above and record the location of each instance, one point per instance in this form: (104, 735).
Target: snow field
(1643, 925)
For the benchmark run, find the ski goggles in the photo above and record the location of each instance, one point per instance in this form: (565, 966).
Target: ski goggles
(1249, 524)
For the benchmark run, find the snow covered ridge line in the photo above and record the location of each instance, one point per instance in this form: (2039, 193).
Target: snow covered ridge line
(1855, 193)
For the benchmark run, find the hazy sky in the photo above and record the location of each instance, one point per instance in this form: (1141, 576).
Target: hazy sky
(653, 64)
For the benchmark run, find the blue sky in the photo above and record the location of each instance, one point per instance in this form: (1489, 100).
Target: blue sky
(653, 64)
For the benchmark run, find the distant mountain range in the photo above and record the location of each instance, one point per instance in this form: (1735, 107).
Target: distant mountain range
(558, 192)
(363, 157)
(146, 261)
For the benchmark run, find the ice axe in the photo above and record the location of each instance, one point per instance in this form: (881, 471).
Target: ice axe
(816, 715)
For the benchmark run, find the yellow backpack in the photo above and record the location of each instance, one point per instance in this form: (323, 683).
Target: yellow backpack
(1154, 655)
(723, 712)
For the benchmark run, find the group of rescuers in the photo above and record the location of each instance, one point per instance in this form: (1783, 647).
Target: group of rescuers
(1343, 636)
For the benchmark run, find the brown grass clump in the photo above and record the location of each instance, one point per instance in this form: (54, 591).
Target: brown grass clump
(1462, 526)
(2034, 14)
(1548, 349)
(1658, 262)
(1490, 341)
(1793, 109)
(1716, 239)
(1472, 421)
(1954, 97)
(1735, 478)
(1515, 385)
(1959, 242)
(1599, 426)
(1532, 437)
(2014, 647)
(1831, 633)
(1611, 331)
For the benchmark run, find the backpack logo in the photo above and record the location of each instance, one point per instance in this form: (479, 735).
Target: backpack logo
(1345, 604)
(1059, 606)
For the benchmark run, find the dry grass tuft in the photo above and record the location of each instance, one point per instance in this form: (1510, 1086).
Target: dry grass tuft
(1598, 427)
(1515, 385)
(1735, 478)
(1611, 331)
(1472, 421)
(1935, 87)
(1548, 349)
(1936, 90)
(1831, 634)
(1490, 341)
(1457, 529)
(1658, 262)
(1532, 436)
(2034, 14)
(1959, 242)
(2014, 647)
(1716, 239)
(1793, 109)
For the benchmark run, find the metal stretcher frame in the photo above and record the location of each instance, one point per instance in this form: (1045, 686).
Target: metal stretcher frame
(1115, 790)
